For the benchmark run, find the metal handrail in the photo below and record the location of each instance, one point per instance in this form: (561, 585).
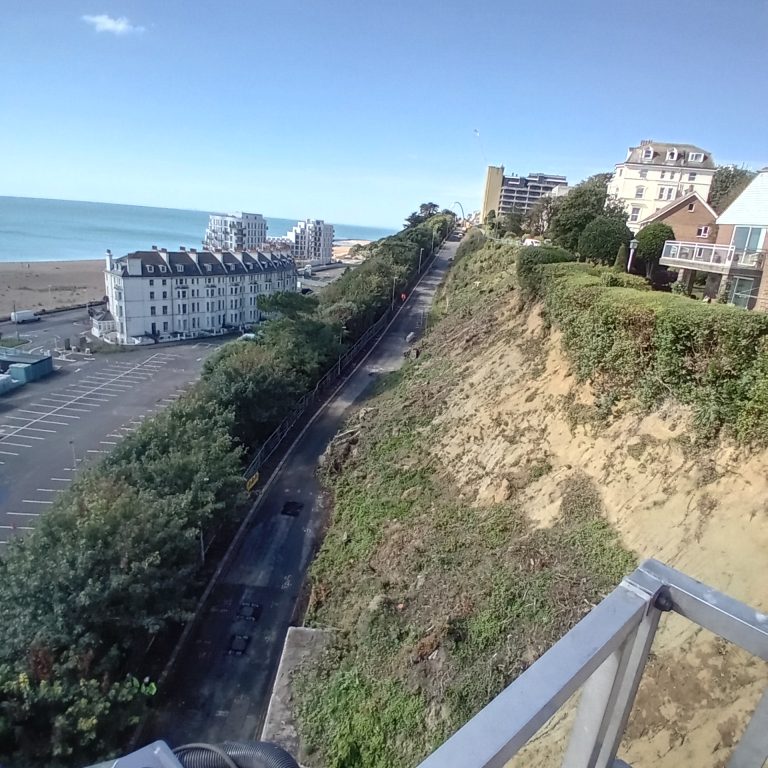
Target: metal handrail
(606, 653)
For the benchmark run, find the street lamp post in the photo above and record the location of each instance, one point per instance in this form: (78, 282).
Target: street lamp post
(394, 280)
(463, 215)
(632, 248)
(74, 457)
(421, 253)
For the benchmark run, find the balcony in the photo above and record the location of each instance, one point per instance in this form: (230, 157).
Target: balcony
(710, 257)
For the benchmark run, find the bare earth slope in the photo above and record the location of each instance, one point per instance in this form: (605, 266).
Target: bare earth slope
(505, 426)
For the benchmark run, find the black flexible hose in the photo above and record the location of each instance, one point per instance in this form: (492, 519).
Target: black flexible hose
(254, 754)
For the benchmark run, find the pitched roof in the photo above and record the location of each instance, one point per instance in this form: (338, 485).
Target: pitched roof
(750, 208)
(659, 157)
(186, 263)
(662, 213)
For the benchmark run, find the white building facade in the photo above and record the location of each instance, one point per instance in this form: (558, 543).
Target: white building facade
(164, 295)
(235, 231)
(311, 241)
(655, 173)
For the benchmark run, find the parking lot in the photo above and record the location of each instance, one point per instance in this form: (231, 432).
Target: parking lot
(51, 429)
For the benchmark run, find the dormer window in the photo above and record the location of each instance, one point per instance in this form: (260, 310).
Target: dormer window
(671, 155)
(150, 268)
(179, 267)
(162, 267)
(695, 157)
(208, 268)
(648, 153)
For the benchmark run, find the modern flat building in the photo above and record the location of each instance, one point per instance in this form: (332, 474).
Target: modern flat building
(504, 194)
(235, 231)
(311, 241)
(161, 294)
(655, 173)
(735, 264)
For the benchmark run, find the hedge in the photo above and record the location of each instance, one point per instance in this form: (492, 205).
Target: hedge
(631, 341)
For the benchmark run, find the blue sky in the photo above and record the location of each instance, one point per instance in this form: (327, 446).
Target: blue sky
(355, 111)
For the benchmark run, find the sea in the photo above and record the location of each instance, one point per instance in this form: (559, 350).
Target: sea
(35, 229)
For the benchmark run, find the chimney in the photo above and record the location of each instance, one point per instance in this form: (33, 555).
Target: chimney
(182, 248)
(109, 260)
(154, 247)
(646, 142)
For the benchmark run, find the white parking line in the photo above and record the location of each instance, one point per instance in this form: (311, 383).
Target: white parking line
(113, 435)
(8, 453)
(95, 389)
(16, 528)
(62, 479)
(107, 442)
(15, 445)
(25, 514)
(36, 501)
(95, 450)
(47, 490)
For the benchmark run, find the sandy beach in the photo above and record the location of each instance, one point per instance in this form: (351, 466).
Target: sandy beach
(50, 284)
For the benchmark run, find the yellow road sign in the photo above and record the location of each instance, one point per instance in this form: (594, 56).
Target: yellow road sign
(251, 482)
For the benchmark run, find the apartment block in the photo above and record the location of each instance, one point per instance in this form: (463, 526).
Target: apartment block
(311, 242)
(504, 194)
(161, 295)
(655, 173)
(235, 231)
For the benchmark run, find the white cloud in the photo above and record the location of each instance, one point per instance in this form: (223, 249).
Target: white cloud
(105, 23)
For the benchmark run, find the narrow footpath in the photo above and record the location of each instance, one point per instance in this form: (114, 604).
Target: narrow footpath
(221, 686)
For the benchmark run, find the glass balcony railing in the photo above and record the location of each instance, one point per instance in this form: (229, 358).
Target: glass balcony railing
(709, 257)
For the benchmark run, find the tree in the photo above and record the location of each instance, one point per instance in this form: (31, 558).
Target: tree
(602, 238)
(511, 223)
(728, 183)
(650, 244)
(585, 202)
(620, 263)
(490, 219)
(426, 210)
(539, 217)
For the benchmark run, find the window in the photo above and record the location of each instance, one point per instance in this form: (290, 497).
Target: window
(702, 231)
(671, 155)
(695, 157)
(162, 269)
(643, 174)
(648, 153)
(663, 174)
(165, 293)
(691, 177)
(748, 239)
(740, 291)
(179, 267)
(164, 282)
(150, 268)
(151, 282)
(151, 295)
(635, 215)
(207, 267)
(165, 309)
(691, 207)
(165, 326)
(666, 193)
(152, 311)
(639, 191)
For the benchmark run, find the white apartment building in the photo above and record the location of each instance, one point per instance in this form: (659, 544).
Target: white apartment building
(655, 173)
(312, 241)
(235, 231)
(161, 294)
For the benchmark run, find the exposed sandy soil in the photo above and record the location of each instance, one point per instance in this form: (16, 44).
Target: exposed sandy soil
(701, 510)
(49, 284)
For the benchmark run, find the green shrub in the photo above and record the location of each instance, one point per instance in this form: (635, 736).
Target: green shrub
(629, 340)
(620, 263)
(602, 238)
(531, 259)
(623, 280)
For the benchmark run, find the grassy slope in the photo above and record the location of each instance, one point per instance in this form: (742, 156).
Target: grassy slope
(439, 600)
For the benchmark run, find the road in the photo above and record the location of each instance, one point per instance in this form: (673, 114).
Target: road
(49, 332)
(51, 429)
(223, 679)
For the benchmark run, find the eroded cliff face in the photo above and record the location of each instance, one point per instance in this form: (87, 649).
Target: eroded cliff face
(517, 425)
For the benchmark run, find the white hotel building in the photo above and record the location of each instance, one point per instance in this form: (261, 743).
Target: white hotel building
(165, 294)
(235, 231)
(311, 242)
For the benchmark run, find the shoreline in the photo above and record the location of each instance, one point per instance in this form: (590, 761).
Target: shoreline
(47, 285)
